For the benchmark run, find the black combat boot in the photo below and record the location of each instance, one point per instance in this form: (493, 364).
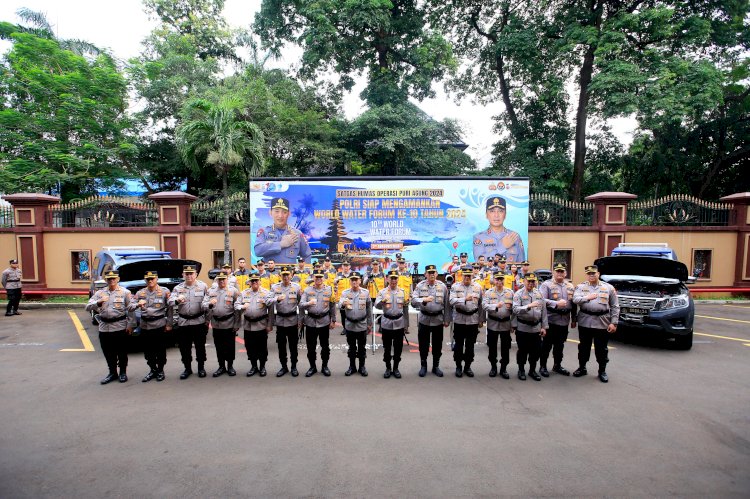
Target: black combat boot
(423, 369)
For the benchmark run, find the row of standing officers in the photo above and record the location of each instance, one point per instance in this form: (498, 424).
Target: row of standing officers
(539, 317)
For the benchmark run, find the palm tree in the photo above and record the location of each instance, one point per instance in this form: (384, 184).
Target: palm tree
(218, 133)
(38, 25)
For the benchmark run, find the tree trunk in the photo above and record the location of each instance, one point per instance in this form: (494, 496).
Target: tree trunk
(224, 193)
(505, 92)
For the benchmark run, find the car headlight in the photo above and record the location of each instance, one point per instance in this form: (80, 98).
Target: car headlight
(681, 301)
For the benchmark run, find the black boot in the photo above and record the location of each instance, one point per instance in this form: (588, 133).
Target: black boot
(352, 368)
(230, 369)
(423, 370)
(262, 371)
(282, 371)
(313, 369)
(221, 370)
(387, 373)
(295, 372)
(123, 376)
(187, 372)
(201, 370)
(109, 378)
(521, 374)
(160, 374)
(436, 370)
(468, 371)
(362, 369)
(253, 370)
(324, 369)
(396, 373)
(544, 372)
(149, 376)
(504, 371)
(493, 370)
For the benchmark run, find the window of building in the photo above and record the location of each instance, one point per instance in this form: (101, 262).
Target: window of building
(218, 258)
(702, 263)
(80, 265)
(562, 256)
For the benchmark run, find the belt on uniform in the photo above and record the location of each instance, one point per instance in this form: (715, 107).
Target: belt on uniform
(560, 311)
(286, 314)
(431, 314)
(112, 319)
(317, 316)
(13, 280)
(467, 313)
(223, 317)
(596, 314)
(498, 319)
(529, 323)
(257, 319)
(393, 317)
(151, 319)
(189, 317)
(355, 320)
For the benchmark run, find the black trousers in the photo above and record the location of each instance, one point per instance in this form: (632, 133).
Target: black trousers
(492, 337)
(423, 335)
(14, 298)
(357, 341)
(115, 349)
(465, 335)
(187, 336)
(284, 335)
(154, 348)
(393, 339)
(555, 342)
(312, 334)
(600, 338)
(256, 343)
(529, 346)
(224, 343)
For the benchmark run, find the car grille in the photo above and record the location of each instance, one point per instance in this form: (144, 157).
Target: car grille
(636, 302)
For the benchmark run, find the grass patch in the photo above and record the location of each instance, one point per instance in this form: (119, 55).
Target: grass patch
(53, 299)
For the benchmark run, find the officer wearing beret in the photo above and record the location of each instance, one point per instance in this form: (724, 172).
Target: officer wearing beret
(466, 300)
(431, 298)
(156, 319)
(497, 303)
(319, 303)
(280, 241)
(497, 238)
(357, 308)
(114, 306)
(598, 314)
(225, 321)
(257, 306)
(394, 322)
(11, 280)
(187, 301)
(287, 295)
(531, 317)
(561, 311)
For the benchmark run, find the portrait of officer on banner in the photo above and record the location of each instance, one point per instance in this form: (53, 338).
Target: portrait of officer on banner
(280, 241)
(498, 239)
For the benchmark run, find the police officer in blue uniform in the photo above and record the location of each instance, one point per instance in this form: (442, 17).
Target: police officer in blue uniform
(497, 238)
(280, 241)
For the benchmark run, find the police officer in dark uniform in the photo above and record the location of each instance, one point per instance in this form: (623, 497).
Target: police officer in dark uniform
(287, 295)
(280, 241)
(318, 301)
(156, 319)
(11, 280)
(561, 311)
(432, 299)
(357, 307)
(225, 321)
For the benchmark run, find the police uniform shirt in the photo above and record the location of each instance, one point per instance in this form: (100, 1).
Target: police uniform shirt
(231, 283)
(395, 308)
(286, 310)
(260, 304)
(11, 278)
(268, 245)
(488, 242)
(116, 313)
(358, 311)
(222, 314)
(463, 313)
(323, 310)
(157, 312)
(438, 311)
(552, 292)
(498, 307)
(189, 313)
(605, 309)
(529, 319)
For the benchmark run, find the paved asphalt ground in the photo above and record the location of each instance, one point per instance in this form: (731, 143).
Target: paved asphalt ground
(668, 423)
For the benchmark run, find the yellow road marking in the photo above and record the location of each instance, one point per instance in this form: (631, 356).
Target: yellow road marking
(721, 319)
(722, 337)
(747, 344)
(87, 345)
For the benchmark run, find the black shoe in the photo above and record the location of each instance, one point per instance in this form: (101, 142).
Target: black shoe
(201, 372)
(387, 373)
(544, 372)
(535, 376)
(262, 371)
(252, 372)
(459, 372)
(437, 371)
(396, 374)
(148, 377)
(186, 373)
(493, 371)
(350, 371)
(468, 371)
(295, 372)
(423, 371)
(561, 370)
(221, 370)
(16, 312)
(123, 377)
(8, 314)
(311, 371)
(160, 376)
(231, 371)
(581, 371)
(363, 371)
(504, 374)
(282, 371)
(521, 375)
(326, 372)
(108, 378)
(603, 377)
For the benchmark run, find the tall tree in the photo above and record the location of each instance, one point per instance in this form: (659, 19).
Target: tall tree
(216, 134)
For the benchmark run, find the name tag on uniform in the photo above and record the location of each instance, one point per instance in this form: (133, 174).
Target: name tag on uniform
(199, 293)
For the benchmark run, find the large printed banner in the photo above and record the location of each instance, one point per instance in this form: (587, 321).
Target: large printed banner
(428, 221)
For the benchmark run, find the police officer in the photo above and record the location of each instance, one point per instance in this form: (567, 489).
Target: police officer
(300, 275)
(497, 303)
(225, 321)
(405, 280)
(341, 283)
(454, 266)
(357, 307)
(394, 323)
(226, 269)
(257, 305)
(280, 241)
(561, 311)
(598, 315)
(329, 270)
(287, 295)
(531, 316)
(11, 280)
(318, 301)
(114, 306)
(431, 298)
(497, 238)
(187, 300)
(374, 281)
(466, 300)
(242, 274)
(156, 319)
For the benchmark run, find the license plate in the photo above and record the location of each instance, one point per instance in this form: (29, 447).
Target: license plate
(635, 311)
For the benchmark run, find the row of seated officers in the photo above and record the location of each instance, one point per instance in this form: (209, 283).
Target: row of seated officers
(539, 317)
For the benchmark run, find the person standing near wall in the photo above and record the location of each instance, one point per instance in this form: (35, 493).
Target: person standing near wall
(11, 280)
(156, 320)
(187, 301)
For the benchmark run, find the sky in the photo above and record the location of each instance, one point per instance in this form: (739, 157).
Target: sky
(122, 25)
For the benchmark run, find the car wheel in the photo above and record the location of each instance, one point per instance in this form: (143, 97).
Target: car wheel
(684, 341)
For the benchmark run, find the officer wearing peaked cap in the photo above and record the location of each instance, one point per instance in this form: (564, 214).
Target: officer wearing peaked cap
(187, 301)
(287, 295)
(466, 300)
(320, 306)
(431, 298)
(11, 280)
(280, 241)
(561, 311)
(156, 320)
(497, 303)
(357, 321)
(225, 321)
(257, 306)
(532, 323)
(394, 322)
(229, 276)
(497, 238)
